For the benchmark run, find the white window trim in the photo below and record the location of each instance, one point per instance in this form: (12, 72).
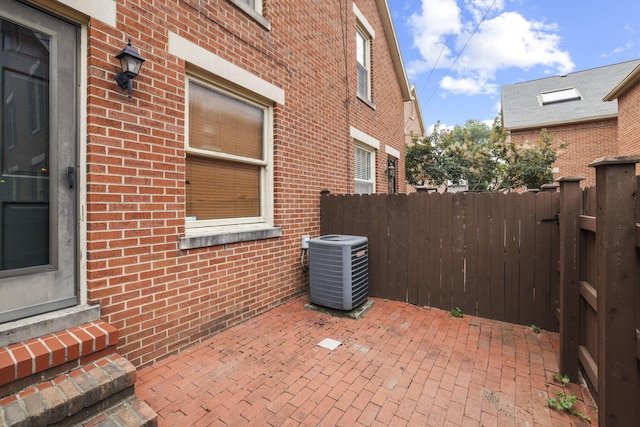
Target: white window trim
(212, 63)
(103, 10)
(368, 28)
(392, 151)
(364, 138)
(228, 76)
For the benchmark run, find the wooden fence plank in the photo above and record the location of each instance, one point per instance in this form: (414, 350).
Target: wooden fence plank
(458, 249)
(401, 246)
(512, 264)
(392, 284)
(542, 260)
(447, 252)
(414, 248)
(527, 258)
(554, 295)
(425, 250)
(498, 224)
(484, 254)
(471, 283)
(378, 245)
(435, 241)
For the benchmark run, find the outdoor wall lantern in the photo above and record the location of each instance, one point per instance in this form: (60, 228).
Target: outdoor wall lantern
(130, 61)
(391, 169)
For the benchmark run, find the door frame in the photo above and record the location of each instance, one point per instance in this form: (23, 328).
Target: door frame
(79, 226)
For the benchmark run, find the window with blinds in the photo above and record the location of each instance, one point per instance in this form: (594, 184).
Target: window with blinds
(363, 160)
(225, 156)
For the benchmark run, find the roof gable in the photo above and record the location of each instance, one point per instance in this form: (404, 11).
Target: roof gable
(574, 97)
(394, 48)
(625, 85)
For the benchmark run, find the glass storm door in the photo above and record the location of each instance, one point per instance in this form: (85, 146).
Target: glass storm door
(37, 162)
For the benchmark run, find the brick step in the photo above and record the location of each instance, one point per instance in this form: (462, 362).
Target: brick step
(30, 362)
(75, 397)
(131, 412)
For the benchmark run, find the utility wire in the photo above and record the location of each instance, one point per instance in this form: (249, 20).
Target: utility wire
(461, 50)
(435, 64)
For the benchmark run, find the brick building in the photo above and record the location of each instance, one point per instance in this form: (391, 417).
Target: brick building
(571, 107)
(627, 94)
(156, 219)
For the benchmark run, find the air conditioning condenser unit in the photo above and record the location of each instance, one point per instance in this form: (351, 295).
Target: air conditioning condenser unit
(339, 271)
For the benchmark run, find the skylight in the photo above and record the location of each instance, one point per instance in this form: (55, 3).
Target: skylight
(563, 95)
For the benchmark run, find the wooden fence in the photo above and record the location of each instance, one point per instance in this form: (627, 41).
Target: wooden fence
(493, 255)
(502, 256)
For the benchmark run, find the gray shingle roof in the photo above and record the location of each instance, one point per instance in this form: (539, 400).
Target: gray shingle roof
(521, 107)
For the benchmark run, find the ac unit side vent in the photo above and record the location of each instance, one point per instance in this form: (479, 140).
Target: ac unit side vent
(339, 271)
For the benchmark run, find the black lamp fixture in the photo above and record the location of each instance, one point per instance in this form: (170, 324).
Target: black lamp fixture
(391, 168)
(130, 61)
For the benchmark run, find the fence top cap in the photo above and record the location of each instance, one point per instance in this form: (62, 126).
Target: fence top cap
(615, 160)
(570, 179)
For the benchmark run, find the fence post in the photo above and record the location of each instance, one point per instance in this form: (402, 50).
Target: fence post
(570, 200)
(616, 281)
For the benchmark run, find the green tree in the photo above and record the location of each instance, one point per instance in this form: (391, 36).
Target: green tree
(481, 156)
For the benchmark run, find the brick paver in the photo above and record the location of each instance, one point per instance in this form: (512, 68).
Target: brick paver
(398, 365)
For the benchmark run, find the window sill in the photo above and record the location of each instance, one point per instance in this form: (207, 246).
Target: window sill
(218, 236)
(253, 14)
(366, 101)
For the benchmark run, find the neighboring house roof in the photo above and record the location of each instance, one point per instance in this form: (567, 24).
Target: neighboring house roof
(394, 48)
(569, 98)
(414, 124)
(625, 85)
(418, 111)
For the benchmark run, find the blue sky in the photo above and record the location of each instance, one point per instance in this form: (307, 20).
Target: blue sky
(459, 53)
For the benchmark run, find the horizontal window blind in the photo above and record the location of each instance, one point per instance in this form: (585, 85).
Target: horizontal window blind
(224, 124)
(218, 189)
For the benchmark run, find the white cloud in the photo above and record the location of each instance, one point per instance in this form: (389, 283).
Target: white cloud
(468, 85)
(431, 29)
(505, 39)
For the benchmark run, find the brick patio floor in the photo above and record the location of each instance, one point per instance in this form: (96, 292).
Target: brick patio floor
(398, 365)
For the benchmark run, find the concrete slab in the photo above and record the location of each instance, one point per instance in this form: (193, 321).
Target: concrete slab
(356, 313)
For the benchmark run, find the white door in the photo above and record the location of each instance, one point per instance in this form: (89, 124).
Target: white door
(38, 66)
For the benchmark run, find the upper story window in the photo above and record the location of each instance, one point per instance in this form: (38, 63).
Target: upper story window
(253, 4)
(364, 37)
(363, 56)
(253, 8)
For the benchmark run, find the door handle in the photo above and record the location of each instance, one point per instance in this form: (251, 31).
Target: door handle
(71, 175)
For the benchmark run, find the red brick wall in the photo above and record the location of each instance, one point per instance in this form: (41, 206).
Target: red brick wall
(586, 142)
(163, 299)
(629, 122)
